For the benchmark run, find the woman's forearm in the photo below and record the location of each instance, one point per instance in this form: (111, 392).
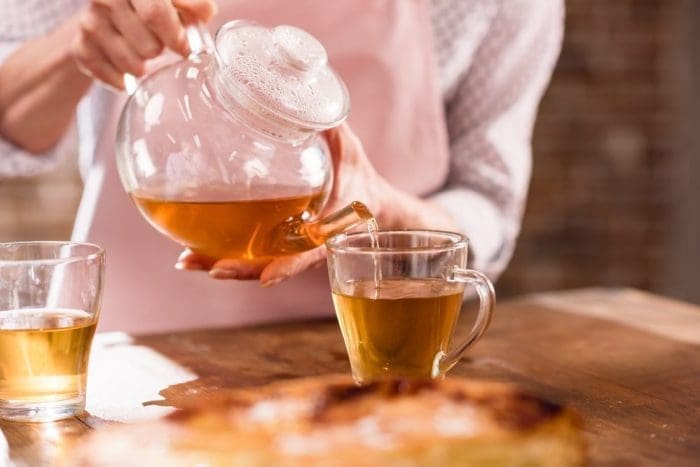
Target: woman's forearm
(40, 87)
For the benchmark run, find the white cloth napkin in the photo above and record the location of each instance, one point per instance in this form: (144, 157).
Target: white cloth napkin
(4, 451)
(122, 376)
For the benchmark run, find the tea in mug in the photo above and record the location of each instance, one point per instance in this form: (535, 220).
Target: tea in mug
(227, 228)
(400, 327)
(44, 354)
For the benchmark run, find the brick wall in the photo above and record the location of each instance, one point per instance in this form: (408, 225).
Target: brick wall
(602, 205)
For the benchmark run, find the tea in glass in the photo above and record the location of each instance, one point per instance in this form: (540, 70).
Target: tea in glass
(44, 354)
(50, 295)
(399, 327)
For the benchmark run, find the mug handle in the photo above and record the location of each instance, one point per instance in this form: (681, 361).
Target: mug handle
(444, 362)
(198, 38)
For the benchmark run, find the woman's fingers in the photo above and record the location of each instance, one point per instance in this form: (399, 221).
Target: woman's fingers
(221, 268)
(283, 268)
(238, 269)
(104, 51)
(94, 63)
(191, 261)
(335, 145)
(118, 36)
(270, 272)
(135, 32)
(161, 18)
(97, 29)
(196, 10)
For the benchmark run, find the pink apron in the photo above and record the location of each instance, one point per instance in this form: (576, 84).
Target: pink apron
(383, 51)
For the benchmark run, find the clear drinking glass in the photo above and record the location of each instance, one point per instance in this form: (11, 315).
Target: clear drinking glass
(398, 302)
(50, 296)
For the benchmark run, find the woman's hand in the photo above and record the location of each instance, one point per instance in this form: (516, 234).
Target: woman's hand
(355, 180)
(118, 36)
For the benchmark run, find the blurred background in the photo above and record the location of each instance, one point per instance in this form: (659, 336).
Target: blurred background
(614, 199)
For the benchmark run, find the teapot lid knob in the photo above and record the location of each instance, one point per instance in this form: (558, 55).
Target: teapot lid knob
(299, 49)
(282, 70)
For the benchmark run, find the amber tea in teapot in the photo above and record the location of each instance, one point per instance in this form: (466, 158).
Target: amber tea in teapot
(228, 228)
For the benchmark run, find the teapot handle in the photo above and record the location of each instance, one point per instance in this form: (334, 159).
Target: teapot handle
(200, 41)
(199, 38)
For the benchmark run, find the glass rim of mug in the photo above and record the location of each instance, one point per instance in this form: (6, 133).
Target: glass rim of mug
(97, 251)
(454, 241)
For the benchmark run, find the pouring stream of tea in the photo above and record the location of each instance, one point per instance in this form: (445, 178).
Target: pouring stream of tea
(373, 231)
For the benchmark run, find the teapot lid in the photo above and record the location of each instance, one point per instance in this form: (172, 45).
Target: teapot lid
(282, 71)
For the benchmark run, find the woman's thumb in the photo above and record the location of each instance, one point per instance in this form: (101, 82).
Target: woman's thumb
(336, 145)
(196, 10)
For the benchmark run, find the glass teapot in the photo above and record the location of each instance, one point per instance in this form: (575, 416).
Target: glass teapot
(223, 152)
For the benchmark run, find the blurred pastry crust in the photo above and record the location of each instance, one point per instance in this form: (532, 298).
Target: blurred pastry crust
(329, 421)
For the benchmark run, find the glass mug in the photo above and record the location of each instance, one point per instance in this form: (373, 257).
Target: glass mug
(398, 302)
(50, 295)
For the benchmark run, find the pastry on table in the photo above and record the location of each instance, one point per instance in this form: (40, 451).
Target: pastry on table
(329, 421)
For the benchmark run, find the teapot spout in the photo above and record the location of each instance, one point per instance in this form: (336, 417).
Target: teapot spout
(352, 215)
(299, 236)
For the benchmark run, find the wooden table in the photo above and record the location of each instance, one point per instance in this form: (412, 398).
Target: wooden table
(628, 361)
